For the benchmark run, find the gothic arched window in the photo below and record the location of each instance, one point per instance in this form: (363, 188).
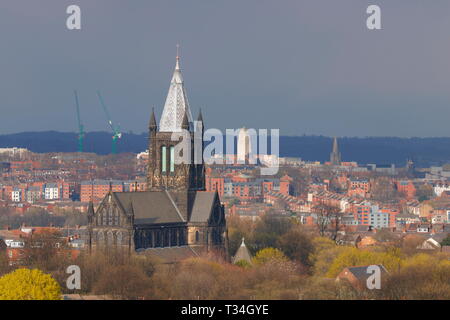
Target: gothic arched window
(110, 238)
(116, 221)
(119, 238)
(197, 236)
(104, 217)
(110, 216)
(100, 238)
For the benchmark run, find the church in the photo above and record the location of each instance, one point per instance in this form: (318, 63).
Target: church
(175, 217)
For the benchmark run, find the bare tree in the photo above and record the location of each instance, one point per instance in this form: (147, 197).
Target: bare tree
(328, 219)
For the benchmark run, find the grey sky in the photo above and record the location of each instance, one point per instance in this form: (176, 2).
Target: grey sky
(304, 66)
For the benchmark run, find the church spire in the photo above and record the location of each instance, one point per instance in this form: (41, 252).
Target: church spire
(177, 64)
(335, 145)
(176, 104)
(335, 156)
(185, 123)
(152, 123)
(200, 116)
(91, 211)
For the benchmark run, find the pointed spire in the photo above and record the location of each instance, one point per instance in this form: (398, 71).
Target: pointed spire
(200, 116)
(90, 212)
(335, 156)
(335, 145)
(199, 123)
(152, 124)
(176, 104)
(177, 64)
(185, 123)
(91, 208)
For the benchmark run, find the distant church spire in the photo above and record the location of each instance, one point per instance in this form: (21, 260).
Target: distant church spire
(176, 104)
(335, 156)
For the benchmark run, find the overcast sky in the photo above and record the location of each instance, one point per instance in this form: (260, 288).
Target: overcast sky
(303, 66)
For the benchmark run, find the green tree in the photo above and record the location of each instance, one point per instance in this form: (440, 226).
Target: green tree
(296, 244)
(26, 284)
(446, 241)
(243, 264)
(356, 257)
(269, 254)
(268, 230)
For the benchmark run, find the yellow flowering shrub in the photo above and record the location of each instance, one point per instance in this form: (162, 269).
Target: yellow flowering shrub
(26, 284)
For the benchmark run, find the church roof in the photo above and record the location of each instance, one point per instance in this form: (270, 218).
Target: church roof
(176, 104)
(203, 205)
(150, 207)
(242, 254)
(155, 207)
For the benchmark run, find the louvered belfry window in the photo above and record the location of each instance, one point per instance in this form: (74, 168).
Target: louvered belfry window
(163, 159)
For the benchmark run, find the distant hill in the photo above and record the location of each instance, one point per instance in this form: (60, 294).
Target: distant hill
(380, 150)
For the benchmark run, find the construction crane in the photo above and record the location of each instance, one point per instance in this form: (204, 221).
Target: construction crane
(115, 129)
(81, 132)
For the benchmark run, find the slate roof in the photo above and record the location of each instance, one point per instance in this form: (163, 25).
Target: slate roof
(360, 272)
(150, 207)
(203, 204)
(155, 207)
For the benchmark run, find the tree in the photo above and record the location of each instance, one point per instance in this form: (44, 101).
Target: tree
(44, 251)
(243, 264)
(356, 257)
(268, 230)
(269, 254)
(383, 189)
(446, 241)
(328, 219)
(424, 192)
(4, 263)
(26, 284)
(124, 282)
(297, 245)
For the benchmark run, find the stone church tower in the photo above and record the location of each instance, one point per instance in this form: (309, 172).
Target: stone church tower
(176, 120)
(175, 217)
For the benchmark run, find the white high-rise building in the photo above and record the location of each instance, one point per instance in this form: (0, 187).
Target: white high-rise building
(244, 146)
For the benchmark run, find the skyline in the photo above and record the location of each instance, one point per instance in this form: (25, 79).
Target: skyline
(291, 65)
